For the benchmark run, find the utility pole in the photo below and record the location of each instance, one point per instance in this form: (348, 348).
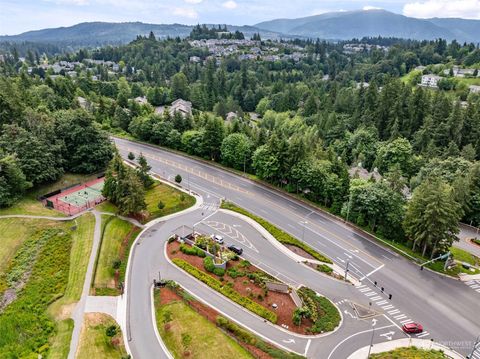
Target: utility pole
(374, 322)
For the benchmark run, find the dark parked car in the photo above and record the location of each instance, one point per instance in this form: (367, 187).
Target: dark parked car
(412, 328)
(236, 249)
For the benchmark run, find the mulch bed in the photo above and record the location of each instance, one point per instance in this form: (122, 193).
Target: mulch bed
(245, 286)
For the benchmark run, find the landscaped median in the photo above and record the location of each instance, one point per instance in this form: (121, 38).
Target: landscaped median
(226, 291)
(303, 311)
(190, 328)
(280, 235)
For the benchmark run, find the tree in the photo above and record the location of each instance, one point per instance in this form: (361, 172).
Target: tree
(123, 187)
(143, 171)
(178, 178)
(87, 148)
(180, 86)
(265, 163)
(161, 205)
(398, 153)
(13, 182)
(236, 150)
(213, 137)
(432, 217)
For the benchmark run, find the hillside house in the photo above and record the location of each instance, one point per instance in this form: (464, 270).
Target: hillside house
(181, 106)
(474, 89)
(430, 80)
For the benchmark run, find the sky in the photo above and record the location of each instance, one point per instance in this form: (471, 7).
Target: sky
(17, 16)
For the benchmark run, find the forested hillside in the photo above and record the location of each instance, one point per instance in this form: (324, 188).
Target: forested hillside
(351, 132)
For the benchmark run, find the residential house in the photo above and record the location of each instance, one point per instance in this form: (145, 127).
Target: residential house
(141, 100)
(430, 80)
(474, 89)
(181, 106)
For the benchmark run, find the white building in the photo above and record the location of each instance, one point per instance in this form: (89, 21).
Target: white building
(181, 106)
(474, 89)
(430, 80)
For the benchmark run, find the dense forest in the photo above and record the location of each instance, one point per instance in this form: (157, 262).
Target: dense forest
(351, 132)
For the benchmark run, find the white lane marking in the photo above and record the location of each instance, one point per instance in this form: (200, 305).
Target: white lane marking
(392, 312)
(376, 298)
(348, 255)
(373, 271)
(383, 302)
(401, 316)
(306, 347)
(370, 294)
(424, 334)
(406, 321)
(288, 224)
(365, 290)
(388, 307)
(340, 259)
(353, 335)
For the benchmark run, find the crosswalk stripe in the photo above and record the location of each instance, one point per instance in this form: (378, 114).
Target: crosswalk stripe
(383, 302)
(478, 290)
(406, 321)
(388, 307)
(364, 290)
(376, 298)
(424, 334)
(475, 286)
(395, 311)
(370, 294)
(401, 316)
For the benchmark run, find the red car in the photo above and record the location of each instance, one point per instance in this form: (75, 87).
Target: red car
(412, 328)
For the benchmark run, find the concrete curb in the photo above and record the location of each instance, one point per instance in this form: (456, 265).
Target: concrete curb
(154, 323)
(126, 333)
(406, 342)
(297, 258)
(248, 311)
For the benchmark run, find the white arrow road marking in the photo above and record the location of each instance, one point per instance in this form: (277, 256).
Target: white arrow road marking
(348, 255)
(350, 314)
(388, 335)
(288, 341)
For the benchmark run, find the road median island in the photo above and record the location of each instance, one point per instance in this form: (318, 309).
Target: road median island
(191, 328)
(255, 290)
(280, 235)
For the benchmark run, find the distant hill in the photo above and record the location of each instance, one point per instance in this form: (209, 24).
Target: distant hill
(102, 33)
(371, 23)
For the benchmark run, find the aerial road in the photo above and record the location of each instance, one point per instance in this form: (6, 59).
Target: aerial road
(447, 308)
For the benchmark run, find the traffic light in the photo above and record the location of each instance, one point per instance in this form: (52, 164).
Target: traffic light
(390, 296)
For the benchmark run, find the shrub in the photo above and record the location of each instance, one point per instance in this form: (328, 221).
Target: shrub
(323, 313)
(111, 331)
(208, 264)
(131, 156)
(178, 178)
(161, 205)
(116, 263)
(226, 291)
(192, 251)
(219, 271)
(277, 233)
(249, 338)
(324, 268)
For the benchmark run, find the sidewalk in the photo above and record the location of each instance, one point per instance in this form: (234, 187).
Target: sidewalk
(402, 343)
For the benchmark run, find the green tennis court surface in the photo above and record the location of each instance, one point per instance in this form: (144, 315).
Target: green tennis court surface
(84, 196)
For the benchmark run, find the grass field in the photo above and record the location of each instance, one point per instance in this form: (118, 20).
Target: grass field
(410, 353)
(94, 342)
(188, 334)
(24, 250)
(29, 203)
(118, 235)
(173, 199)
(82, 240)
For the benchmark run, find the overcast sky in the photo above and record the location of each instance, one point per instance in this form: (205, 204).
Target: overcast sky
(17, 16)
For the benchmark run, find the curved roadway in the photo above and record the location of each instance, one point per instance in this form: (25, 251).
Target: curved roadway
(446, 307)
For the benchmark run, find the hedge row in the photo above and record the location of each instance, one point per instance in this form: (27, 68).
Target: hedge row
(192, 251)
(250, 339)
(226, 291)
(327, 316)
(276, 232)
(209, 266)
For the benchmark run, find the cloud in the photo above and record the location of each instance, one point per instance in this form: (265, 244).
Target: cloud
(230, 4)
(70, 2)
(369, 7)
(187, 12)
(193, 1)
(469, 9)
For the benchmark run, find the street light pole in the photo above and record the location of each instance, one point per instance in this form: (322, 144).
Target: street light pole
(346, 270)
(374, 322)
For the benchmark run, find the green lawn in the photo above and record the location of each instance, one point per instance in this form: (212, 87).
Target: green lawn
(30, 205)
(410, 353)
(188, 334)
(94, 342)
(82, 240)
(118, 235)
(173, 199)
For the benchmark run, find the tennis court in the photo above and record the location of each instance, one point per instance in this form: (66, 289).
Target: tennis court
(78, 198)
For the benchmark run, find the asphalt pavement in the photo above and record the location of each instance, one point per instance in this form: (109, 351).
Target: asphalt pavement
(447, 308)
